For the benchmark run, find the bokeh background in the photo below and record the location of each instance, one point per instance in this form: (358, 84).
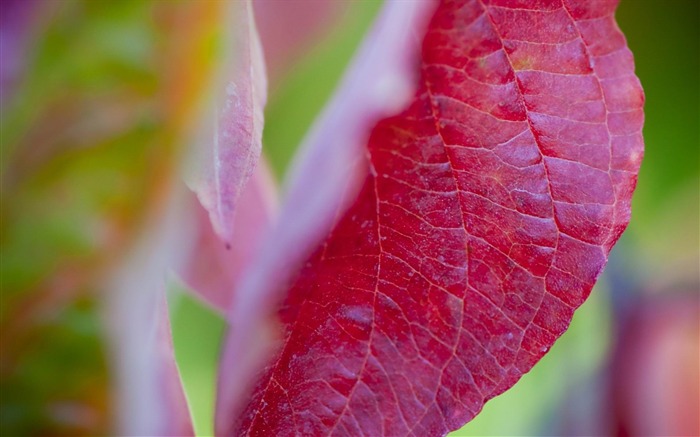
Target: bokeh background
(97, 97)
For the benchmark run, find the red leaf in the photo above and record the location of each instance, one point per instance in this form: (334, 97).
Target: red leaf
(488, 212)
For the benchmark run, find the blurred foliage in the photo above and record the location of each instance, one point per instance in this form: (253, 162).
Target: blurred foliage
(59, 383)
(91, 138)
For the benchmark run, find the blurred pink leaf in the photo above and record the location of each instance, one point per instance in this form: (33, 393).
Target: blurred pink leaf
(225, 163)
(179, 421)
(150, 393)
(150, 397)
(213, 267)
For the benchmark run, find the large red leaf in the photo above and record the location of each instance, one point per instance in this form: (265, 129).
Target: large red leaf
(487, 214)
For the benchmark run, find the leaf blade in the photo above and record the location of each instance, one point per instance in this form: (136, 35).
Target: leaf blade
(486, 217)
(213, 268)
(223, 167)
